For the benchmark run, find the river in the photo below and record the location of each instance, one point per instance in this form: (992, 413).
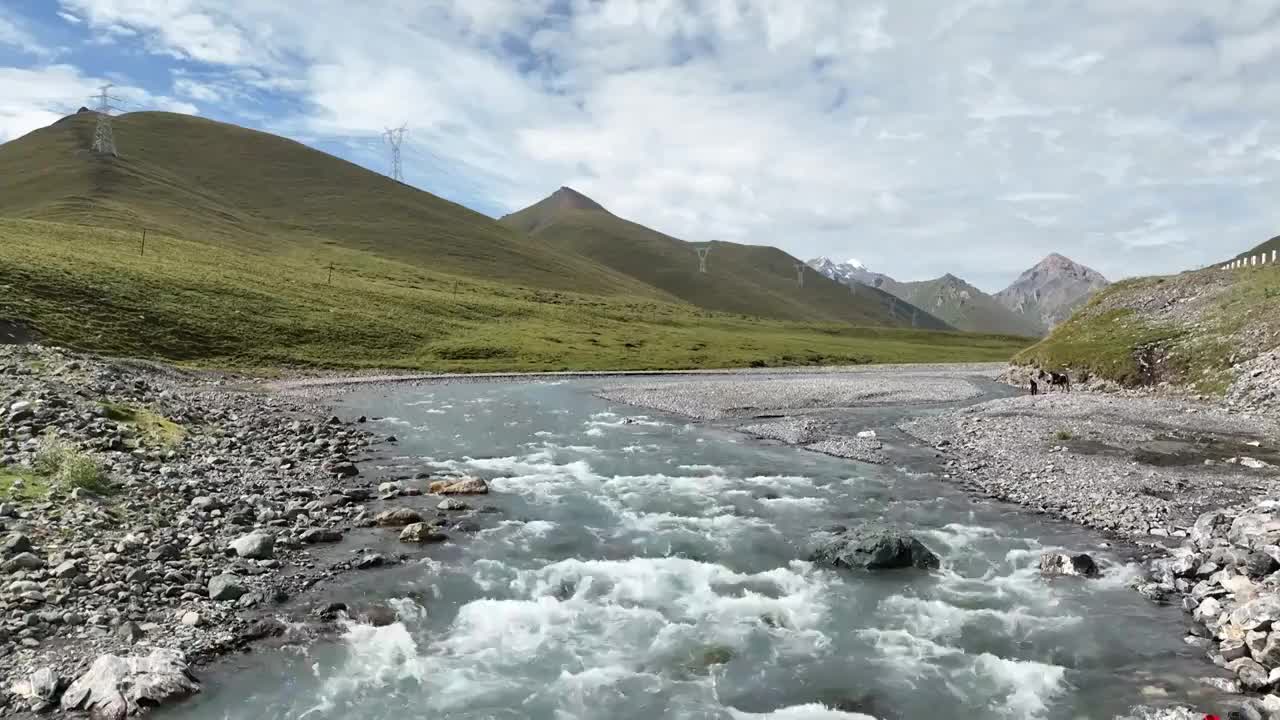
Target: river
(646, 567)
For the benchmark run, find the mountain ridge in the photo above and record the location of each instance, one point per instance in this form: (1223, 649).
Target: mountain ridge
(747, 279)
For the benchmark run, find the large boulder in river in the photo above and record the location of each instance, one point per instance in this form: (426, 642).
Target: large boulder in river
(873, 548)
(1056, 564)
(114, 688)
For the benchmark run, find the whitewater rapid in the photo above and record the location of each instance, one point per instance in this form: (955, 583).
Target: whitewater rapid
(645, 567)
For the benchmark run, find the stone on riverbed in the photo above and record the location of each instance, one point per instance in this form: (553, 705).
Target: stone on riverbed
(39, 690)
(1056, 564)
(311, 536)
(465, 486)
(421, 532)
(397, 518)
(873, 548)
(255, 546)
(226, 587)
(114, 687)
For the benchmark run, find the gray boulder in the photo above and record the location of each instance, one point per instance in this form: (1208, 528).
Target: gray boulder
(114, 688)
(226, 587)
(1055, 564)
(255, 546)
(873, 548)
(14, 544)
(1257, 614)
(1251, 675)
(421, 533)
(22, 561)
(311, 536)
(397, 518)
(39, 690)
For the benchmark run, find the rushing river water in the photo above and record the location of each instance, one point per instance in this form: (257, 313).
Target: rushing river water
(654, 569)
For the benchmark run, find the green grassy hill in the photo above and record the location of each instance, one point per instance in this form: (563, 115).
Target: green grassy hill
(216, 305)
(747, 279)
(189, 177)
(1191, 330)
(967, 308)
(243, 228)
(1266, 247)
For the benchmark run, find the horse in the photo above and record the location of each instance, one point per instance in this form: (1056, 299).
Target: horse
(1062, 380)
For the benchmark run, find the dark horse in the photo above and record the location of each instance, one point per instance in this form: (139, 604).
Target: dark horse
(1061, 380)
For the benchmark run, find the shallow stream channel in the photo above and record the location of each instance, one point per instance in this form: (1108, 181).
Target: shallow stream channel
(642, 567)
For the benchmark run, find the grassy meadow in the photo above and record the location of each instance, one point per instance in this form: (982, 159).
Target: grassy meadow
(222, 305)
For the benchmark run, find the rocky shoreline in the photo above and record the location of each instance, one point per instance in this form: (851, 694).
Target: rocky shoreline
(213, 506)
(151, 518)
(1192, 484)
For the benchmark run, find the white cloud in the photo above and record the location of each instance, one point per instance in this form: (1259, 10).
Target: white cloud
(973, 139)
(36, 97)
(73, 19)
(14, 34)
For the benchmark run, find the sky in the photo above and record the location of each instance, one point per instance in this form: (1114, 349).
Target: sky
(919, 136)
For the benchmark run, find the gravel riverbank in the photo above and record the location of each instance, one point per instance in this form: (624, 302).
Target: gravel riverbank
(144, 509)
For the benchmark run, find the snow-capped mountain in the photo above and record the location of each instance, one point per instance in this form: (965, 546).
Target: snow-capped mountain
(853, 271)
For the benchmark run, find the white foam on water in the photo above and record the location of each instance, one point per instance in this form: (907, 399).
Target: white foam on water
(938, 619)
(1015, 689)
(544, 433)
(630, 449)
(780, 481)
(623, 617)
(801, 503)
(594, 432)
(813, 711)
(714, 469)
(1026, 687)
(396, 421)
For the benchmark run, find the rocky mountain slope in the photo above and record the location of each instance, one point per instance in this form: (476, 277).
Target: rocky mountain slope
(966, 307)
(1052, 290)
(949, 298)
(1214, 332)
(747, 279)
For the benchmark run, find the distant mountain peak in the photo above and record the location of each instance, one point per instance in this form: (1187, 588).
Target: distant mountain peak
(1052, 289)
(566, 198)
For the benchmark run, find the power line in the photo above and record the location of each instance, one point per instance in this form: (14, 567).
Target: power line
(104, 140)
(394, 137)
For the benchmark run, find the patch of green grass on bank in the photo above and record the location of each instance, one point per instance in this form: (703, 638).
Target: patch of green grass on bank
(18, 483)
(1119, 345)
(214, 306)
(152, 427)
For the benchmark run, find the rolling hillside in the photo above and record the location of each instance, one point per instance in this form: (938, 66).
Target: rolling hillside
(263, 253)
(744, 279)
(189, 177)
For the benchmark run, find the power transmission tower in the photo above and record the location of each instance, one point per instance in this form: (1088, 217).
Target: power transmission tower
(104, 141)
(702, 257)
(800, 273)
(394, 137)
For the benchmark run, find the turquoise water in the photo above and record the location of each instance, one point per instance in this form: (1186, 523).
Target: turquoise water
(644, 567)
